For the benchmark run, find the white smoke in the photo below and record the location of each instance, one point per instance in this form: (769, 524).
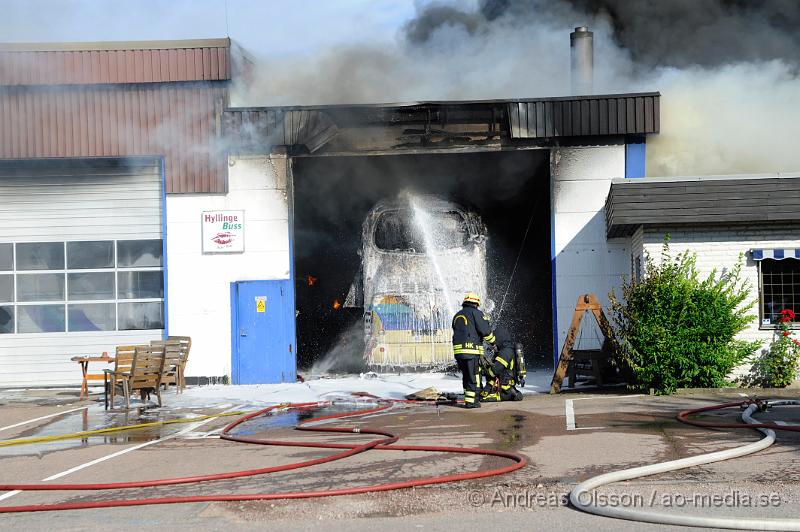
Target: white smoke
(733, 118)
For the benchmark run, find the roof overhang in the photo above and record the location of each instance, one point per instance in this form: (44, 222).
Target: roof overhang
(486, 124)
(702, 201)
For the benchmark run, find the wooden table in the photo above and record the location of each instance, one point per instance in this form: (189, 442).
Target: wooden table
(84, 362)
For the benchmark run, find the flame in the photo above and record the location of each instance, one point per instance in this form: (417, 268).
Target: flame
(311, 280)
(337, 304)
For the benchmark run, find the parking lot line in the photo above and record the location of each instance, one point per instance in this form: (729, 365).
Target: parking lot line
(569, 409)
(42, 417)
(123, 451)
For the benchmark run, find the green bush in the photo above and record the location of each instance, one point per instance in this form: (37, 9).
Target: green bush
(776, 367)
(674, 330)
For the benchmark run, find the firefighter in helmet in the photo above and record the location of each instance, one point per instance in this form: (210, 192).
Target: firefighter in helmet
(503, 373)
(470, 329)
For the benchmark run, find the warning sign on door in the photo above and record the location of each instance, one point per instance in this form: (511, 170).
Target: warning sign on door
(261, 303)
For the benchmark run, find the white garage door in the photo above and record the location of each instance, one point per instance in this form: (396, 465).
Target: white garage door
(81, 263)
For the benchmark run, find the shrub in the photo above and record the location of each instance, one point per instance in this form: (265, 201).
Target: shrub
(776, 367)
(674, 330)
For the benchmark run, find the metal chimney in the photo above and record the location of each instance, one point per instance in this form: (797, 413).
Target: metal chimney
(581, 46)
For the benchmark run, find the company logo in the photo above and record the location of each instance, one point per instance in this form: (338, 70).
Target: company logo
(223, 238)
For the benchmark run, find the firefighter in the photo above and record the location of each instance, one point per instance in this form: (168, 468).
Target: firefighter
(470, 329)
(502, 372)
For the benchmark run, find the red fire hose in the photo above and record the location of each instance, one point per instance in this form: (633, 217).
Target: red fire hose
(684, 417)
(386, 443)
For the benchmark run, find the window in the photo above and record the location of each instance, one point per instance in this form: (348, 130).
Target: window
(6, 257)
(780, 289)
(50, 287)
(402, 230)
(40, 256)
(87, 255)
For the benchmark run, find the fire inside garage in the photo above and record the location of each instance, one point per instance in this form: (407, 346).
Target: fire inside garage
(397, 210)
(341, 297)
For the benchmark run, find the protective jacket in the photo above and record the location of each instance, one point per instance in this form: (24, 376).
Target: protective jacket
(503, 371)
(503, 365)
(470, 329)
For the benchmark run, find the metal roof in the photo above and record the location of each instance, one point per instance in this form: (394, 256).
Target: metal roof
(114, 62)
(632, 203)
(113, 45)
(532, 119)
(620, 114)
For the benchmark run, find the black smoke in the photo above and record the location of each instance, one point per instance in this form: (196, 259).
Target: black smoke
(656, 33)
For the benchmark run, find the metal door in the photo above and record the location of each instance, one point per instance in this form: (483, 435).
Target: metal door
(263, 332)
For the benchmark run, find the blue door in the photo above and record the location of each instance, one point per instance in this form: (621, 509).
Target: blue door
(263, 332)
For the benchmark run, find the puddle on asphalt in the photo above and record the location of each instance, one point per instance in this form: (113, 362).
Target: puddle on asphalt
(511, 431)
(98, 418)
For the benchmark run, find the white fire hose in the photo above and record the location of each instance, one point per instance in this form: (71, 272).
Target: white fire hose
(581, 497)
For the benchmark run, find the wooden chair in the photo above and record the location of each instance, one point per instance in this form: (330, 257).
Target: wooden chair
(173, 357)
(123, 361)
(180, 346)
(144, 375)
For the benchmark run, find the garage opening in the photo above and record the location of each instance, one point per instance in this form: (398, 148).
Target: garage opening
(508, 191)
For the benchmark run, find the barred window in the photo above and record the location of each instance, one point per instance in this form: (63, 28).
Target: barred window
(780, 289)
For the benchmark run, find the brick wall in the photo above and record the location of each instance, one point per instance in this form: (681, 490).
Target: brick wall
(719, 248)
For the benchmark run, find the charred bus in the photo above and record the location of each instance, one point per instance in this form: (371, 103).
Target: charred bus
(419, 255)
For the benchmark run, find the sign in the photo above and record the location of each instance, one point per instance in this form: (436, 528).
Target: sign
(261, 303)
(223, 231)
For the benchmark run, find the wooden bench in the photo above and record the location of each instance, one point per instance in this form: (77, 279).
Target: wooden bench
(145, 374)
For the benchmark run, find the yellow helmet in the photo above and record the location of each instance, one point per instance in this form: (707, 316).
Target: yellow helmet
(472, 297)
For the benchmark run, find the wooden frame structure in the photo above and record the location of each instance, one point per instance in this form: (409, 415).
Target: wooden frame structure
(586, 303)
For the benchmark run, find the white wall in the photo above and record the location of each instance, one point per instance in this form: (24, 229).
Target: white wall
(585, 260)
(199, 285)
(720, 248)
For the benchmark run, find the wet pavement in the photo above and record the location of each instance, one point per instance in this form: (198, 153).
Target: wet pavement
(605, 432)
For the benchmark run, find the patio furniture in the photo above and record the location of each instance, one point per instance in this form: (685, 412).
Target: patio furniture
(144, 374)
(180, 346)
(84, 363)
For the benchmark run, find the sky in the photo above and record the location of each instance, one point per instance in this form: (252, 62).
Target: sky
(728, 77)
(263, 27)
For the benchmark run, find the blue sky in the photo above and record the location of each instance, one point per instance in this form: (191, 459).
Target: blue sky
(264, 27)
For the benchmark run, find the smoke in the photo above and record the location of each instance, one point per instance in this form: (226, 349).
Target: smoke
(727, 70)
(346, 355)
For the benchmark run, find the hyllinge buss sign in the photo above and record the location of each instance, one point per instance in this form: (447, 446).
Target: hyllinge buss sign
(223, 231)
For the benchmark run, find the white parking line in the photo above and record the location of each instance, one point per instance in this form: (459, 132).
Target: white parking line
(123, 451)
(569, 409)
(43, 417)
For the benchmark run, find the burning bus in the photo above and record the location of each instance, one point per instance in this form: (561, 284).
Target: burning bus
(419, 255)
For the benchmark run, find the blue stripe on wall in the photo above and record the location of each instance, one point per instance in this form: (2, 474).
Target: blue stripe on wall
(164, 246)
(553, 287)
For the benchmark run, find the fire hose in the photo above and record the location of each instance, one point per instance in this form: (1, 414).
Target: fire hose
(386, 442)
(581, 498)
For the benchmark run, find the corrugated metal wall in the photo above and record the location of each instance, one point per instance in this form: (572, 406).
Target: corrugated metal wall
(73, 200)
(131, 65)
(585, 116)
(178, 120)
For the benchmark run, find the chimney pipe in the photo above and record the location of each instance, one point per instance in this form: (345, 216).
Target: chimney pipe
(581, 45)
